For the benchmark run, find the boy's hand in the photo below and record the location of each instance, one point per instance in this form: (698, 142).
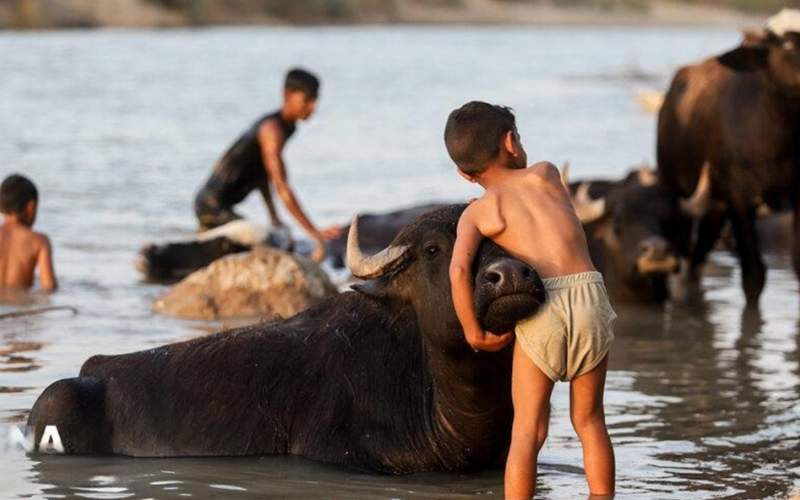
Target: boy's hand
(320, 250)
(330, 233)
(320, 237)
(488, 341)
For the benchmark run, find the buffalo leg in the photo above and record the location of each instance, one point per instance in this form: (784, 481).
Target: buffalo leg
(753, 270)
(796, 239)
(708, 231)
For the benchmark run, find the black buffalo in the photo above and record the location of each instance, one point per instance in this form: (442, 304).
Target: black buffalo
(379, 378)
(172, 261)
(739, 115)
(638, 233)
(167, 262)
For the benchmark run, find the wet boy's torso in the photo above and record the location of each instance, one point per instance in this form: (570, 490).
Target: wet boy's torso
(530, 215)
(20, 248)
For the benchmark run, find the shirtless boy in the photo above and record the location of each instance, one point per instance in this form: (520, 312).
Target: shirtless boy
(21, 249)
(527, 211)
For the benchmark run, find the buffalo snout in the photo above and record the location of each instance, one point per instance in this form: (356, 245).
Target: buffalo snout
(654, 247)
(656, 256)
(508, 290)
(510, 276)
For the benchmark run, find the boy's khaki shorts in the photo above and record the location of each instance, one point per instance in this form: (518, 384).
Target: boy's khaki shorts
(573, 330)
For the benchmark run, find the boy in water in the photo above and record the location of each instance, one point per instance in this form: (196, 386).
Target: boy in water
(528, 212)
(21, 249)
(255, 163)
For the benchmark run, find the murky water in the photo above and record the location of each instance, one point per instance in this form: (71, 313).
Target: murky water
(119, 128)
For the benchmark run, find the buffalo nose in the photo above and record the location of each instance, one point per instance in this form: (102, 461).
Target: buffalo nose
(654, 247)
(507, 272)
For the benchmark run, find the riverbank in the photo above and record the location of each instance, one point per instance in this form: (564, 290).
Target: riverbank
(55, 14)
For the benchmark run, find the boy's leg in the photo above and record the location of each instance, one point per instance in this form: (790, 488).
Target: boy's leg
(530, 391)
(588, 419)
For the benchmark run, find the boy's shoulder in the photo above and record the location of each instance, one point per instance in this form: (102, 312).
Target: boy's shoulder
(481, 203)
(36, 240)
(24, 239)
(545, 169)
(41, 238)
(544, 173)
(484, 214)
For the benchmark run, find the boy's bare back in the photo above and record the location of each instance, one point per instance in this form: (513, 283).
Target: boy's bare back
(530, 215)
(21, 252)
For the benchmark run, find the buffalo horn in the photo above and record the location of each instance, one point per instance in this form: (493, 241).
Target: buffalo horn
(697, 204)
(371, 266)
(587, 209)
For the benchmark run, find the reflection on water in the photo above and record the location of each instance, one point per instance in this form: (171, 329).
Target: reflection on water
(702, 401)
(281, 477)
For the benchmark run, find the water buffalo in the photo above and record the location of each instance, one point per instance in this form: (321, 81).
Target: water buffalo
(637, 232)
(379, 378)
(172, 261)
(738, 113)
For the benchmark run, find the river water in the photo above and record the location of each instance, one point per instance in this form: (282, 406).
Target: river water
(119, 128)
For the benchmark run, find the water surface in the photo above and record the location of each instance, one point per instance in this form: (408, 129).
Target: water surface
(119, 128)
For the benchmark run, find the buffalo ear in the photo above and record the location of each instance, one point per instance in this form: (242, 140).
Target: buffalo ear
(745, 58)
(375, 288)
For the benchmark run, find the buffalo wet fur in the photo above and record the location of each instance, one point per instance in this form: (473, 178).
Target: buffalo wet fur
(378, 379)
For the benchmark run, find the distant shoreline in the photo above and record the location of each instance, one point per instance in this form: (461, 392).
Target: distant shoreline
(66, 14)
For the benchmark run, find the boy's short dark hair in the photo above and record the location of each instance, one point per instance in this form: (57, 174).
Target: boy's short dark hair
(305, 81)
(16, 191)
(473, 134)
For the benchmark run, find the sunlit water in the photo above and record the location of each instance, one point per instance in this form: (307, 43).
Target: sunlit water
(119, 129)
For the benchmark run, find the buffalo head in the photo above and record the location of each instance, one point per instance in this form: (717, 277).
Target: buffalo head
(643, 231)
(776, 52)
(414, 269)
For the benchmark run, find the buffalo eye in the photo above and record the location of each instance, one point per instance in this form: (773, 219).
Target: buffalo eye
(430, 250)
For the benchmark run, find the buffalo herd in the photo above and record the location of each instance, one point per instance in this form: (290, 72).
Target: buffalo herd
(380, 377)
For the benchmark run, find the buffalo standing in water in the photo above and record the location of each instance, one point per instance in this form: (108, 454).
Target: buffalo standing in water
(379, 378)
(739, 115)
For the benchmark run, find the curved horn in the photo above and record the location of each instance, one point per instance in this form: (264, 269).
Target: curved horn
(565, 175)
(587, 209)
(650, 101)
(697, 204)
(647, 176)
(371, 266)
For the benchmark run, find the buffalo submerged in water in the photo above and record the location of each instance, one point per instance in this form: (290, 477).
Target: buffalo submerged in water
(638, 233)
(378, 378)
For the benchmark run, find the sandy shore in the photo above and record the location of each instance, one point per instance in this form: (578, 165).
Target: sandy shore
(659, 13)
(39, 14)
